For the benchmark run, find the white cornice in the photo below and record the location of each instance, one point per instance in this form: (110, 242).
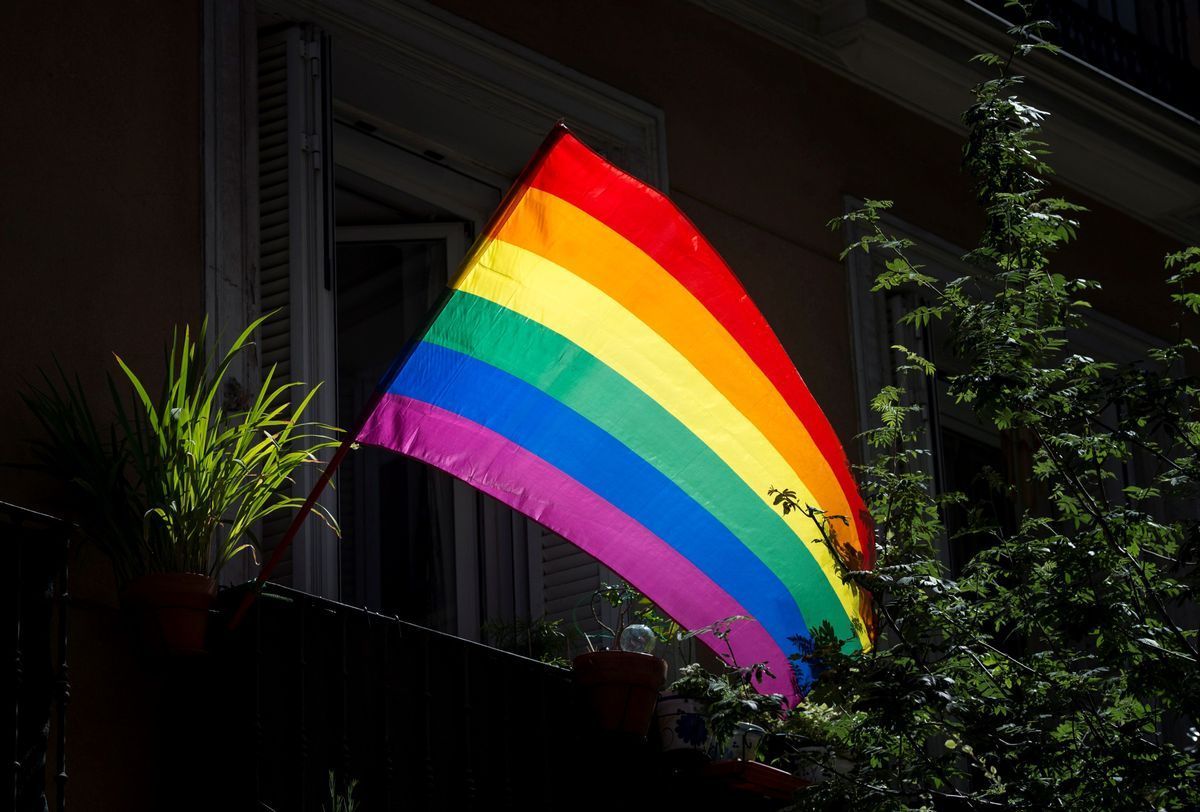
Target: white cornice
(469, 65)
(1111, 141)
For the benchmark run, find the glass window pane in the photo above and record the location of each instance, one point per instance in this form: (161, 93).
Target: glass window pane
(397, 514)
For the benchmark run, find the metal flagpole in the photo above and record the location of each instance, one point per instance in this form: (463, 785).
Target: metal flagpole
(305, 509)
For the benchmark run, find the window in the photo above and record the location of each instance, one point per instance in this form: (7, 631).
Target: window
(387, 135)
(959, 447)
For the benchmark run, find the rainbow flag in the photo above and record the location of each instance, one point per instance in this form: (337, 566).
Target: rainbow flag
(599, 368)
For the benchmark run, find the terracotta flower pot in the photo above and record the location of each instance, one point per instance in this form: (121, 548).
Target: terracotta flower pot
(172, 610)
(619, 689)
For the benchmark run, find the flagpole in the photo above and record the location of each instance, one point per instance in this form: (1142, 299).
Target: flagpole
(499, 216)
(305, 509)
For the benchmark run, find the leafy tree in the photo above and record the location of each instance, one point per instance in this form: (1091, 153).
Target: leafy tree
(1056, 670)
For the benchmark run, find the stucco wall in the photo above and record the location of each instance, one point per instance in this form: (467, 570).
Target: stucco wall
(763, 145)
(101, 229)
(100, 216)
(100, 250)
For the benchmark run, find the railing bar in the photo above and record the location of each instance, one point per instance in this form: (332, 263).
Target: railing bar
(18, 593)
(1180, 29)
(386, 693)
(303, 782)
(345, 679)
(1171, 43)
(1148, 46)
(506, 725)
(426, 669)
(334, 606)
(543, 739)
(467, 714)
(1187, 41)
(429, 691)
(63, 592)
(258, 722)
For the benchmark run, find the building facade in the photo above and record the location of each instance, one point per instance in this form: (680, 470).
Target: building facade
(327, 162)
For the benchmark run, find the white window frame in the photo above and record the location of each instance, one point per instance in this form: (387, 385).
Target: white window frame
(501, 83)
(466, 502)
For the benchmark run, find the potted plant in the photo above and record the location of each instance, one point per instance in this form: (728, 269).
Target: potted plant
(341, 795)
(719, 715)
(540, 639)
(172, 491)
(619, 685)
(811, 741)
(682, 711)
(741, 716)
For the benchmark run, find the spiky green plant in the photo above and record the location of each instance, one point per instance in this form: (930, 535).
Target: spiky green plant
(341, 796)
(177, 484)
(92, 462)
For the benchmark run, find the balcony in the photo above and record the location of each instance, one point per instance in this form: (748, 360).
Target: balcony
(1152, 45)
(424, 720)
(304, 688)
(417, 717)
(36, 684)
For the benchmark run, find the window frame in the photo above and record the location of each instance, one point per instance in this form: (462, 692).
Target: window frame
(494, 79)
(871, 336)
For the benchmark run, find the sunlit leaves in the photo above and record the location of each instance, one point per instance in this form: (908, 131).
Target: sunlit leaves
(187, 481)
(1048, 672)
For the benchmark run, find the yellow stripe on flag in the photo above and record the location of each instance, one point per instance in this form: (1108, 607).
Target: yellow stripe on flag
(538, 289)
(604, 258)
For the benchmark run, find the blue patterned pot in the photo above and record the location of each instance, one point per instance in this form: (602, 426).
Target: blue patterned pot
(682, 723)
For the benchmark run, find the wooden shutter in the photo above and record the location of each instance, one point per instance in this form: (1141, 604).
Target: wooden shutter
(296, 261)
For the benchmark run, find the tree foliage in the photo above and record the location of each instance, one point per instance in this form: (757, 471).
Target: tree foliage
(1056, 670)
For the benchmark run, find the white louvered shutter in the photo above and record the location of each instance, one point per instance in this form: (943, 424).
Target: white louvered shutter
(296, 263)
(569, 578)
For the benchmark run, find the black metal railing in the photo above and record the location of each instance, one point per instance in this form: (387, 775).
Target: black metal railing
(1153, 45)
(34, 589)
(420, 719)
(302, 690)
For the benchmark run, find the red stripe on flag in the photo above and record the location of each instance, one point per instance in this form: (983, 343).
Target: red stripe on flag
(653, 223)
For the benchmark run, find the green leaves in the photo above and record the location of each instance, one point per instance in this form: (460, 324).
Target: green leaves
(90, 461)
(1186, 267)
(341, 795)
(1050, 669)
(729, 698)
(631, 607)
(186, 482)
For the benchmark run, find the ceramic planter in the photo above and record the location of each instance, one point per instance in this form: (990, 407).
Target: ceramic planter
(172, 610)
(809, 763)
(743, 744)
(618, 689)
(682, 723)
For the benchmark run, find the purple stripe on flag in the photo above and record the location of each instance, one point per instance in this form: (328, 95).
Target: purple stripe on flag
(532, 486)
